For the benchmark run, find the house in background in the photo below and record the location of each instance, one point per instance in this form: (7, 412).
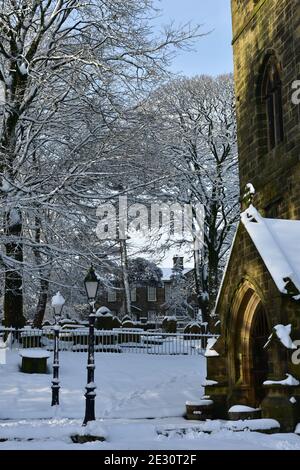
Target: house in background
(150, 303)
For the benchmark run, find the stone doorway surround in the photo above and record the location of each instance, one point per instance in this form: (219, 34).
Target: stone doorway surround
(242, 362)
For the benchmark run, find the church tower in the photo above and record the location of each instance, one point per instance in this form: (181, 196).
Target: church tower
(259, 300)
(266, 43)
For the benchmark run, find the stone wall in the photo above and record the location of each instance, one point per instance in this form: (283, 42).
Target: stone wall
(259, 29)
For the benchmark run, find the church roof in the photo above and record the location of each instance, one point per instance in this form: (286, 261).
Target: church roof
(278, 243)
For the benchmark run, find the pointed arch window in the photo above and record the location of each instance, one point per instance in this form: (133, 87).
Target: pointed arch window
(272, 94)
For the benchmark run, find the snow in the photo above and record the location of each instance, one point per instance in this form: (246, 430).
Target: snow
(131, 389)
(23, 68)
(161, 434)
(130, 330)
(9, 80)
(277, 241)
(131, 386)
(168, 272)
(241, 409)
(250, 188)
(283, 333)
(290, 380)
(5, 185)
(209, 383)
(205, 296)
(34, 353)
(103, 311)
(14, 217)
(104, 314)
(52, 429)
(57, 300)
(209, 351)
(194, 324)
(202, 402)
(7, 343)
(91, 385)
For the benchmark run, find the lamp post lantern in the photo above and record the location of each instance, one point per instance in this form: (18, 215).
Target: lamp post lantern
(57, 304)
(91, 283)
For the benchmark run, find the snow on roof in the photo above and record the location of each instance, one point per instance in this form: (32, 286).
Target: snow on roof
(277, 241)
(167, 273)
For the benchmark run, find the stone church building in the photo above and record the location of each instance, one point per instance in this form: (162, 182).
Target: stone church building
(256, 360)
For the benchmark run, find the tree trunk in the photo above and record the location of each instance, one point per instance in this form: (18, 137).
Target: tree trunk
(44, 277)
(13, 293)
(213, 277)
(41, 305)
(197, 265)
(205, 294)
(13, 289)
(126, 285)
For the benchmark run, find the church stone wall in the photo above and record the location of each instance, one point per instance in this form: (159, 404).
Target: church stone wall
(261, 28)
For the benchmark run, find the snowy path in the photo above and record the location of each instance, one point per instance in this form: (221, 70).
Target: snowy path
(131, 389)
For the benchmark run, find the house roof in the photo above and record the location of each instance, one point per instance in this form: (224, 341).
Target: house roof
(167, 273)
(277, 241)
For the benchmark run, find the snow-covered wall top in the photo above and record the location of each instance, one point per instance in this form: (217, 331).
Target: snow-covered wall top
(277, 241)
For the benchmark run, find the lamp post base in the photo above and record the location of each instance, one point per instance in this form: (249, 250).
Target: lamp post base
(55, 392)
(90, 407)
(90, 394)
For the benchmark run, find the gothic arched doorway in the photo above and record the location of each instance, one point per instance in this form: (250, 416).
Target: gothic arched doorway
(258, 338)
(248, 366)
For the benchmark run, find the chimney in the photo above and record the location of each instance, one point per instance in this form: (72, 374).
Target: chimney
(178, 263)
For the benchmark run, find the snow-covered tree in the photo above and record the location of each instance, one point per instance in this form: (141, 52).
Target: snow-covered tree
(68, 70)
(177, 304)
(143, 272)
(195, 126)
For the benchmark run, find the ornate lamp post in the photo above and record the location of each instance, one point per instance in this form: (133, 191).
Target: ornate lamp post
(91, 283)
(57, 304)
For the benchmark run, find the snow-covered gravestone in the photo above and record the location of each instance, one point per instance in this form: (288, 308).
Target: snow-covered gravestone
(169, 324)
(242, 412)
(34, 361)
(104, 319)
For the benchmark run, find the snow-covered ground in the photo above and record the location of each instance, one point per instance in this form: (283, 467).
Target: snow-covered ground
(128, 386)
(139, 405)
